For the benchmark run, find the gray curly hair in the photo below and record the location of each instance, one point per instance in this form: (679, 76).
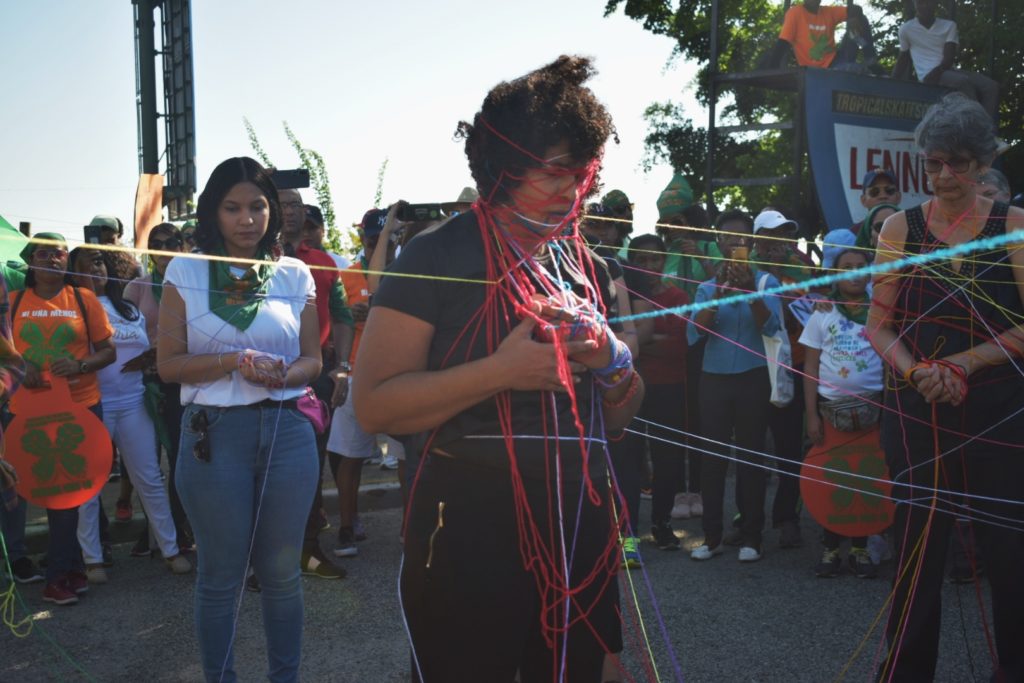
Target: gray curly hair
(957, 124)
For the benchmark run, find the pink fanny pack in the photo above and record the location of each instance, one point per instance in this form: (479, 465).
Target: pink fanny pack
(315, 410)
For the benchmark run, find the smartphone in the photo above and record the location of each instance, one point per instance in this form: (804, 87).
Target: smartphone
(290, 179)
(92, 234)
(420, 212)
(740, 253)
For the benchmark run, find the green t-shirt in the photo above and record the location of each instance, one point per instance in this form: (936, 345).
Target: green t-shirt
(687, 272)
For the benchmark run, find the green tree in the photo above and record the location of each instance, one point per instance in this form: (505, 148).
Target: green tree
(335, 239)
(747, 30)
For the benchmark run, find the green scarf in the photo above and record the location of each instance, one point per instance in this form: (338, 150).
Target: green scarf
(237, 300)
(158, 285)
(856, 313)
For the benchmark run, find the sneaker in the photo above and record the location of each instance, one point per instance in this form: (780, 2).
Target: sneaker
(141, 548)
(78, 582)
(59, 593)
(315, 564)
(696, 505)
(705, 552)
(95, 573)
(631, 553)
(178, 564)
(664, 537)
(789, 535)
(749, 554)
(24, 571)
(734, 538)
(681, 506)
(861, 564)
(829, 565)
(108, 555)
(124, 511)
(346, 543)
(389, 462)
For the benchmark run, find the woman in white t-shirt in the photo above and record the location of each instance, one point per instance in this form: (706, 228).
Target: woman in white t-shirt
(125, 417)
(841, 364)
(239, 333)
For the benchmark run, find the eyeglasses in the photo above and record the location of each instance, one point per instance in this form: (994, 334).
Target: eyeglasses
(199, 424)
(889, 190)
(955, 165)
(170, 244)
(189, 237)
(47, 253)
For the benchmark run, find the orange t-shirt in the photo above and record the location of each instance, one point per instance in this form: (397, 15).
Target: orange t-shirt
(812, 35)
(358, 291)
(45, 329)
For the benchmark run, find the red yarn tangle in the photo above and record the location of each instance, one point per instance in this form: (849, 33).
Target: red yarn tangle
(530, 244)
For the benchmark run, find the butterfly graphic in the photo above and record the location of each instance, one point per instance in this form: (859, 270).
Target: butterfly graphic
(42, 350)
(871, 468)
(61, 451)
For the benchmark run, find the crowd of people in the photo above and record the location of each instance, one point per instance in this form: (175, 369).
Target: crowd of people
(531, 381)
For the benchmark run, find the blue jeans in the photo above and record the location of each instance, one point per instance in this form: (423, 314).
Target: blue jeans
(254, 492)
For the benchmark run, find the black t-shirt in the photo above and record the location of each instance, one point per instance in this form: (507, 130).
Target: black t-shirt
(454, 307)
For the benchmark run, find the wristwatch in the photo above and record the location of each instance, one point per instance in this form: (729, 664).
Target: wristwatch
(83, 367)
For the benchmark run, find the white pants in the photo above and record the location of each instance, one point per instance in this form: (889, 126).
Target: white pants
(132, 431)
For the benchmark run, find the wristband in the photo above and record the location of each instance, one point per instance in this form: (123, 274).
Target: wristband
(220, 362)
(634, 386)
(621, 360)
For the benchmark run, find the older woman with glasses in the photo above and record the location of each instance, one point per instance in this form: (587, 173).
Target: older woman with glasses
(950, 331)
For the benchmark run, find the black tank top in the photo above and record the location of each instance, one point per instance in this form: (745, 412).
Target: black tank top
(941, 311)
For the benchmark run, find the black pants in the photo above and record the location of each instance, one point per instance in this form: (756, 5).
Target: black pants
(474, 613)
(734, 405)
(665, 406)
(626, 451)
(787, 426)
(171, 416)
(917, 632)
(323, 387)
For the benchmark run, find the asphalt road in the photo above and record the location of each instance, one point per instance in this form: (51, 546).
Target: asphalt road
(725, 621)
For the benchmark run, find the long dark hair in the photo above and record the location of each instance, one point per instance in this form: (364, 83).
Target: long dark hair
(113, 290)
(229, 173)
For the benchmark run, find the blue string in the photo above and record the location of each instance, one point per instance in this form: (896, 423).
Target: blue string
(823, 280)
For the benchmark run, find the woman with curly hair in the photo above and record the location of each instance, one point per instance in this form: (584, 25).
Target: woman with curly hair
(511, 538)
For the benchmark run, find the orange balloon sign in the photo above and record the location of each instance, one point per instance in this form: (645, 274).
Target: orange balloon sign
(845, 483)
(60, 449)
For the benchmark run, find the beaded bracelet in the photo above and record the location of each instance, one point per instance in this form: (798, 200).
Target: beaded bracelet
(634, 386)
(616, 371)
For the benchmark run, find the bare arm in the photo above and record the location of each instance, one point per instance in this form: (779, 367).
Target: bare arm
(394, 392)
(306, 368)
(901, 70)
(812, 368)
(629, 332)
(880, 324)
(103, 355)
(173, 362)
(379, 259)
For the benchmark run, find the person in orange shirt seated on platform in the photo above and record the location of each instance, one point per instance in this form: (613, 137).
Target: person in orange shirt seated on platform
(809, 29)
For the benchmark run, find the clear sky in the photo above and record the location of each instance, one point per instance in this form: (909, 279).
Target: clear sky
(358, 82)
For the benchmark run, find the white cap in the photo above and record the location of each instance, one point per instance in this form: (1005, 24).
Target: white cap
(772, 220)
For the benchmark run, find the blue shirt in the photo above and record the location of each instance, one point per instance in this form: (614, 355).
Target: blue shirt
(733, 331)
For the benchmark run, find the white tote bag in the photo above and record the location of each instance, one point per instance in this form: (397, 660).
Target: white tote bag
(780, 358)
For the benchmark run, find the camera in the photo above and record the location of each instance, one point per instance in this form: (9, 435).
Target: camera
(290, 179)
(412, 213)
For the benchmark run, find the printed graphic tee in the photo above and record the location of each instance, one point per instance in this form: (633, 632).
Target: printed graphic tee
(849, 364)
(812, 34)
